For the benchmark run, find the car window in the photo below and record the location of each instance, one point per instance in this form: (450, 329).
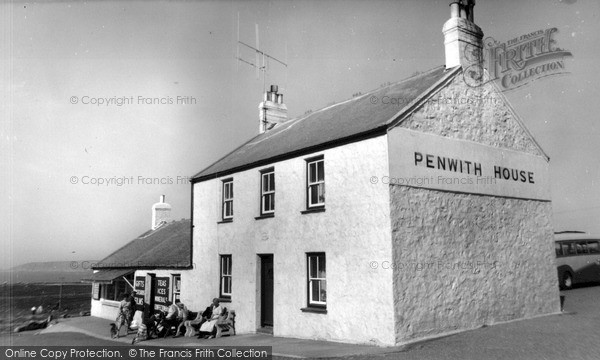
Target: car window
(593, 247)
(558, 249)
(569, 249)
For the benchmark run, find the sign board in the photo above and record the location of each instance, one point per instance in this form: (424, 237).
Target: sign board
(140, 290)
(435, 162)
(162, 293)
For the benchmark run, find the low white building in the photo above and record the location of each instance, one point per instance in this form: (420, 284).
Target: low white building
(151, 265)
(419, 209)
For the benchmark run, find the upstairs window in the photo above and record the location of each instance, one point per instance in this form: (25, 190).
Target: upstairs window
(228, 199)
(315, 175)
(267, 202)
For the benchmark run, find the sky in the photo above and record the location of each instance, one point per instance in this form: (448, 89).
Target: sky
(185, 101)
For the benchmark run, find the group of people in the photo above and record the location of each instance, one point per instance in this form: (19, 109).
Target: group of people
(204, 324)
(177, 316)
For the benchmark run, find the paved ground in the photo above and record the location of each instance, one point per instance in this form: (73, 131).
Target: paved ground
(572, 335)
(58, 338)
(96, 329)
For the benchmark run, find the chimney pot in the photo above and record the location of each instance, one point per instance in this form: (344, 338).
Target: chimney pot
(161, 212)
(454, 8)
(272, 110)
(462, 37)
(470, 6)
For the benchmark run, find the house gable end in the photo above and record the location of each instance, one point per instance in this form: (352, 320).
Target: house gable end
(480, 114)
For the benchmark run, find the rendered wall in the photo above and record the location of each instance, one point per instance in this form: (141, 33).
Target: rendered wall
(477, 114)
(465, 260)
(353, 231)
(462, 260)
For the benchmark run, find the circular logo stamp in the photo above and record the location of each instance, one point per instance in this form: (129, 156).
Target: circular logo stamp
(473, 54)
(473, 75)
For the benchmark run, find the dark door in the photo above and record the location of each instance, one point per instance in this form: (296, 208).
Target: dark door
(266, 290)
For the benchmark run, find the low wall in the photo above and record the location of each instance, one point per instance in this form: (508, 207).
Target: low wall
(106, 309)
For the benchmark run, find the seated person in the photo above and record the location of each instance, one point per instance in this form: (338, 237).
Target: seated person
(171, 317)
(208, 329)
(194, 325)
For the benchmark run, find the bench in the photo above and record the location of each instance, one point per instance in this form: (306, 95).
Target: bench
(226, 327)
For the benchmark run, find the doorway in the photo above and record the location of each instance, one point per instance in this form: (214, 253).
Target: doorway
(266, 291)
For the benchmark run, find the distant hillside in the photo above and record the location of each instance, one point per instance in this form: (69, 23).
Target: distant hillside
(48, 272)
(55, 266)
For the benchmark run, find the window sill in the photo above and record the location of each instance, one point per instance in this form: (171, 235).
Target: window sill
(224, 300)
(313, 210)
(111, 303)
(316, 310)
(225, 221)
(264, 216)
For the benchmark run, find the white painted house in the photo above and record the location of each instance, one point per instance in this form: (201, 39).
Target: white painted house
(151, 265)
(419, 209)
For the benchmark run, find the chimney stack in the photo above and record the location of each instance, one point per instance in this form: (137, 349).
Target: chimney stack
(161, 213)
(272, 110)
(463, 40)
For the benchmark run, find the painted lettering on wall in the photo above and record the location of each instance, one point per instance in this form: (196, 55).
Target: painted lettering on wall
(472, 168)
(440, 163)
(448, 164)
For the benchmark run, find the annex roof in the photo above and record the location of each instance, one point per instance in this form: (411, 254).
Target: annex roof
(167, 247)
(107, 275)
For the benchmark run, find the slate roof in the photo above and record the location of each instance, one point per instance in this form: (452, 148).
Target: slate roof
(370, 113)
(168, 247)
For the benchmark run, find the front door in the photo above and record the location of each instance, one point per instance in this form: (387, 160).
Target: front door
(266, 290)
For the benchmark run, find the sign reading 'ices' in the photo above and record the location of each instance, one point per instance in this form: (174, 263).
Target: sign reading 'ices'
(435, 162)
(162, 292)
